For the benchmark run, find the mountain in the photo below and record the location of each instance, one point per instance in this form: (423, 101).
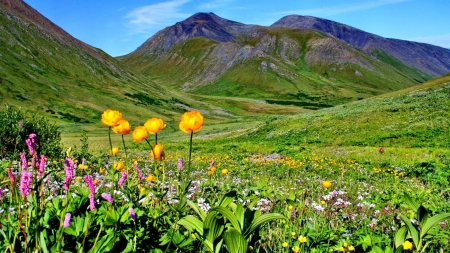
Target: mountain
(208, 55)
(430, 59)
(44, 69)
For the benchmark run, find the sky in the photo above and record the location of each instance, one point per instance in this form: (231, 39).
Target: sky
(118, 27)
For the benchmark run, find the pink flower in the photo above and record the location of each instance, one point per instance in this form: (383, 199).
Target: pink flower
(23, 158)
(107, 197)
(11, 176)
(1, 193)
(67, 220)
(41, 166)
(180, 164)
(122, 179)
(381, 150)
(25, 181)
(91, 186)
(132, 214)
(69, 173)
(30, 143)
(138, 171)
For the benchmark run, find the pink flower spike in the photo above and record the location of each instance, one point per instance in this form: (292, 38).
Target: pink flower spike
(41, 166)
(180, 164)
(132, 214)
(91, 186)
(67, 220)
(11, 176)
(122, 179)
(138, 172)
(23, 159)
(69, 173)
(107, 197)
(25, 181)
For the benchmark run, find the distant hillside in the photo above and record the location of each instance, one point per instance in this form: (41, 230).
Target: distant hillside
(46, 70)
(209, 55)
(414, 117)
(430, 59)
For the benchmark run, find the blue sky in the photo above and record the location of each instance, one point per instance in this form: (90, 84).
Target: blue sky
(119, 26)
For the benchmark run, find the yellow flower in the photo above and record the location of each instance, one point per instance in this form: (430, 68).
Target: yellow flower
(154, 125)
(191, 121)
(290, 207)
(122, 127)
(294, 235)
(111, 117)
(150, 178)
(80, 166)
(114, 151)
(119, 165)
(407, 245)
(302, 239)
(326, 184)
(351, 248)
(322, 202)
(139, 134)
(345, 245)
(157, 152)
(342, 249)
(285, 244)
(102, 171)
(224, 172)
(86, 167)
(210, 172)
(213, 168)
(296, 249)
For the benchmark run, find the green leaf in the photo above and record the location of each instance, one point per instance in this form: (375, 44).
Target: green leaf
(112, 218)
(192, 224)
(432, 222)
(227, 214)
(42, 242)
(212, 227)
(227, 199)
(411, 203)
(234, 241)
(259, 221)
(412, 230)
(400, 236)
(422, 215)
(240, 215)
(197, 209)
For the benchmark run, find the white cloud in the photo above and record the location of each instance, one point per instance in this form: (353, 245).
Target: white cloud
(339, 9)
(148, 17)
(442, 40)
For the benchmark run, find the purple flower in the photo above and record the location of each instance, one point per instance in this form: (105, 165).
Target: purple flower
(211, 164)
(138, 171)
(180, 164)
(23, 158)
(11, 176)
(132, 214)
(69, 173)
(25, 181)
(90, 184)
(41, 166)
(107, 197)
(1, 193)
(67, 220)
(122, 179)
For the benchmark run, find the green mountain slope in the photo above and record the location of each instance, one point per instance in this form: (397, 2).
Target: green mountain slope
(283, 66)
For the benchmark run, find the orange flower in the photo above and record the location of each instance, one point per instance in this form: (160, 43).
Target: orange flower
(114, 151)
(157, 152)
(122, 127)
(326, 184)
(119, 166)
(139, 134)
(111, 117)
(153, 125)
(191, 122)
(95, 181)
(150, 178)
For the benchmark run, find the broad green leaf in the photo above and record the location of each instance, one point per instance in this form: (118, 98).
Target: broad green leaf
(192, 224)
(422, 215)
(261, 220)
(411, 203)
(400, 236)
(197, 209)
(412, 230)
(240, 215)
(227, 214)
(104, 243)
(291, 195)
(433, 221)
(227, 199)
(42, 242)
(376, 249)
(212, 227)
(112, 218)
(234, 241)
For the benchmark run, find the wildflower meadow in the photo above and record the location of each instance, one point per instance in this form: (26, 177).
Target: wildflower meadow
(149, 200)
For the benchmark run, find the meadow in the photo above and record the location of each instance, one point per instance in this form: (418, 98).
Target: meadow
(314, 182)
